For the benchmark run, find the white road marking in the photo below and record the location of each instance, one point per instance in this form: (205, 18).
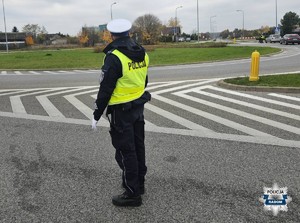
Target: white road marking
(196, 133)
(16, 103)
(175, 118)
(246, 104)
(179, 88)
(34, 72)
(62, 72)
(285, 97)
(83, 71)
(49, 107)
(163, 85)
(255, 97)
(13, 92)
(18, 73)
(266, 121)
(212, 117)
(184, 86)
(50, 72)
(84, 109)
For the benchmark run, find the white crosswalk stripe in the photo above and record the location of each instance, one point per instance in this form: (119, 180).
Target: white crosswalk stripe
(212, 117)
(255, 97)
(34, 72)
(49, 107)
(84, 109)
(285, 97)
(246, 104)
(173, 104)
(18, 72)
(17, 105)
(243, 114)
(54, 72)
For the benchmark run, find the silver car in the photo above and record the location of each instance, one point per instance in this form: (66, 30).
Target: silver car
(273, 38)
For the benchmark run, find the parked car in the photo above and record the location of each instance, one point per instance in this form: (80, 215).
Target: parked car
(181, 39)
(188, 39)
(274, 38)
(290, 38)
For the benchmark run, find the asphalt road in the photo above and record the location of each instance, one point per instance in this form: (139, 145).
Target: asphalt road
(210, 151)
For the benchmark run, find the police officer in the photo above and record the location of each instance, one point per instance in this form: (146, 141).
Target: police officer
(122, 91)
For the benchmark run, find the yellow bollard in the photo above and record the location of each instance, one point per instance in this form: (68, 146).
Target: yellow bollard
(234, 40)
(254, 72)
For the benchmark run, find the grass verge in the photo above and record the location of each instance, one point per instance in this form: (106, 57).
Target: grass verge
(284, 80)
(88, 59)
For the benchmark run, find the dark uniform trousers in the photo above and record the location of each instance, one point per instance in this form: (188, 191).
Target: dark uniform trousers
(128, 136)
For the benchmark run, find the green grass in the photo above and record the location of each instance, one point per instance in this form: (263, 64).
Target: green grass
(285, 80)
(88, 59)
(54, 59)
(162, 56)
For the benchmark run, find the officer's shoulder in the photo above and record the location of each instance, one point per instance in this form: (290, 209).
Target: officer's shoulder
(109, 52)
(111, 58)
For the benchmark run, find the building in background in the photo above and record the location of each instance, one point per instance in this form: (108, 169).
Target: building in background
(15, 40)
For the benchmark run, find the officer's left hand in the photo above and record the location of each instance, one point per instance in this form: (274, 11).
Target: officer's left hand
(94, 124)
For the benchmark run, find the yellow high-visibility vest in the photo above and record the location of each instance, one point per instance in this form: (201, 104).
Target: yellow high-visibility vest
(131, 85)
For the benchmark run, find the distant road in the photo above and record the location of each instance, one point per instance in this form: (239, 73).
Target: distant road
(287, 61)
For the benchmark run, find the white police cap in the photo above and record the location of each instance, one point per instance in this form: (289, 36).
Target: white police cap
(119, 26)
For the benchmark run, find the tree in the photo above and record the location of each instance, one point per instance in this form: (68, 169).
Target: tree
(41, 36)
(147, 28)
(29, 41)
(15, 30)
(33, 29)
(265, 29)
(225, 34)
(289, 21)
(83, 39)
(89, 36)
(174, 22)
(106, 36)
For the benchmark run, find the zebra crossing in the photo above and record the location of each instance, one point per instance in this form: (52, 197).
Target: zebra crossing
(196, 108)
(53, 72)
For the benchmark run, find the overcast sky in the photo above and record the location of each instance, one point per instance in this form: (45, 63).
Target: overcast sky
(68, 16)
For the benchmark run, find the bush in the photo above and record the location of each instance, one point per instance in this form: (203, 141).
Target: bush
(99, 49)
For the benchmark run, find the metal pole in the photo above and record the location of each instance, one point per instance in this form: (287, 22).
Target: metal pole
(111, 16)
(243, 21)
(243, 24)
(211, 25)
(175, 33)
(5, 26)
(198, 20)
(276, 14)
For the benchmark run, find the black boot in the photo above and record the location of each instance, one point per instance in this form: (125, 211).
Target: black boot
(126, 200)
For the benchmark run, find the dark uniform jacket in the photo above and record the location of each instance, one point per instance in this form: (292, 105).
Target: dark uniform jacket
(112, 70)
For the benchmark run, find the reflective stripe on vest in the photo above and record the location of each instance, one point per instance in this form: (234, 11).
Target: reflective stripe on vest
(131, 85)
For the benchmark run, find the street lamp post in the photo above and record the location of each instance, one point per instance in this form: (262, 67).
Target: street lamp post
(276, 28)
(111, 15)
(175, 33)
(239, 10)
(5, 26)
(198, 20)
(211, 23)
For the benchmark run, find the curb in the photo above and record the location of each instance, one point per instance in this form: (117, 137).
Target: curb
(223, 84)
